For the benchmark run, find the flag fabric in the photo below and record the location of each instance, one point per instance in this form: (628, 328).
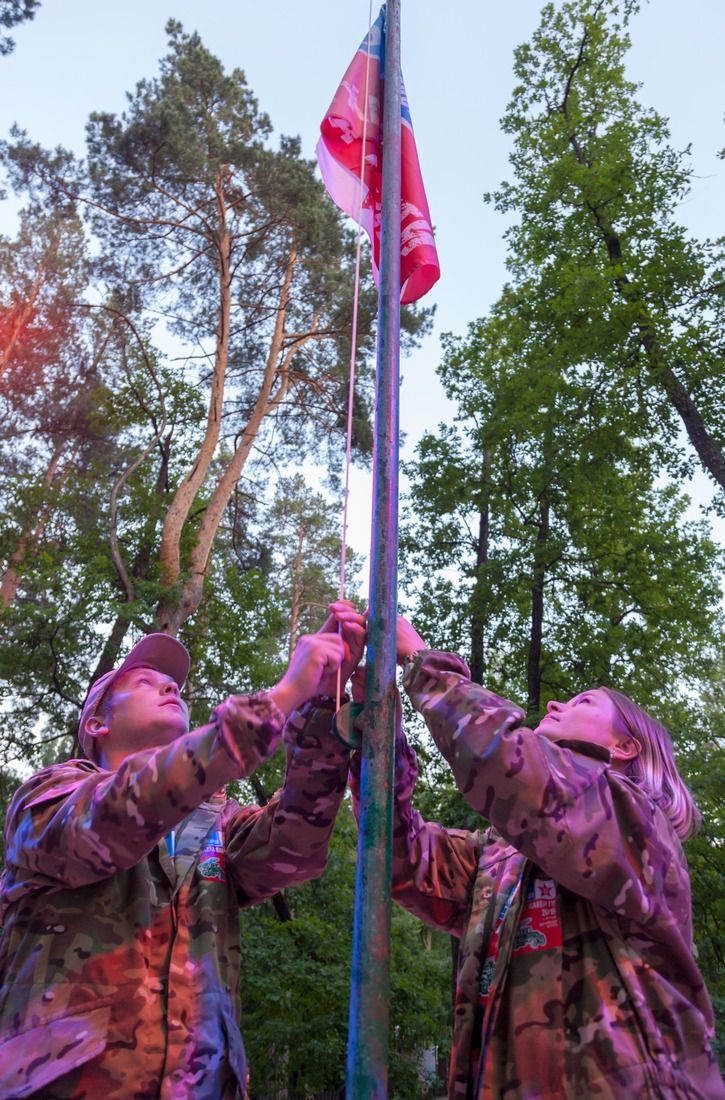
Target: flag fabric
(353, 172)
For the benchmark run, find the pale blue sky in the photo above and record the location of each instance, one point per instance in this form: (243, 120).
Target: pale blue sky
(83, 55)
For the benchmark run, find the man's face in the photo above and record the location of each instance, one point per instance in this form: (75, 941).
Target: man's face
(145, 711)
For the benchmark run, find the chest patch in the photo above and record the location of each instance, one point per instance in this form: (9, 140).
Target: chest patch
(539, 926)
(212, 859)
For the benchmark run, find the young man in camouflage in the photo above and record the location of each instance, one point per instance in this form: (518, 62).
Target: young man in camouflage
(125, 873)
(576, 975)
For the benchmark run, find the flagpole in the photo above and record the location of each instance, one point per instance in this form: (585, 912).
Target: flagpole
(367, 1061)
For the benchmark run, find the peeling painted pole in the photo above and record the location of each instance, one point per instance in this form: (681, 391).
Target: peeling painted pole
(367, 1062)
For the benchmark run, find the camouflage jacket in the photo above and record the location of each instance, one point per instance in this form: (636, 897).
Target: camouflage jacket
(119, 962)
(576, 975)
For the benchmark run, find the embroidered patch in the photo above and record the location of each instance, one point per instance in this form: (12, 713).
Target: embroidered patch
(212, 858)
(539, 926)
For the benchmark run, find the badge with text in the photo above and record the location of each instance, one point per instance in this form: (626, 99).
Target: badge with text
(211, 860)
(539, 926)
(537, 930)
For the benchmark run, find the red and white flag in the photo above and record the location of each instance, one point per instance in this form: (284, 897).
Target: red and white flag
(352, 169)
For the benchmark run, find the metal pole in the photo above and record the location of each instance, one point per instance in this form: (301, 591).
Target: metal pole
(367, 1061)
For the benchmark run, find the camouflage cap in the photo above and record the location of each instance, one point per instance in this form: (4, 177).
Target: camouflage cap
(158, 651)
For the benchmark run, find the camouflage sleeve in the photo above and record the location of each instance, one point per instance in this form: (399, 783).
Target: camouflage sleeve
(433, 868)
(74, 823)
(591, 829)
(286, 842)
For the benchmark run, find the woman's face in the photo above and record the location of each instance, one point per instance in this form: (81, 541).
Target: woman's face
(591, 716)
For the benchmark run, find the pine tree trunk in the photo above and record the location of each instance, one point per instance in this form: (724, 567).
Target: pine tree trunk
(171, 615)
(176, 516)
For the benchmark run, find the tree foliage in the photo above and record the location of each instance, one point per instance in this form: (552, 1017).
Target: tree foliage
(595, 249)
(12, 13)
(301, 533)
(296, 987)
(549, 555)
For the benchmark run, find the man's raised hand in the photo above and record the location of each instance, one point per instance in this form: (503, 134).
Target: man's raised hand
(351, 626)
(315, 660)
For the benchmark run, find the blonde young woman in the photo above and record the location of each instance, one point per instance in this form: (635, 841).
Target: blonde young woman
(576, 973)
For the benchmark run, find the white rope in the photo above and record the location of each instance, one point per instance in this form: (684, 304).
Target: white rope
(353, 349)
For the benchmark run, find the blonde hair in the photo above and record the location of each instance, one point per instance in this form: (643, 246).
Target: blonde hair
(654, 768)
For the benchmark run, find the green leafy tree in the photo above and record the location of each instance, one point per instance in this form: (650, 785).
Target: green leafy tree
(595, 249)
(547, 555)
